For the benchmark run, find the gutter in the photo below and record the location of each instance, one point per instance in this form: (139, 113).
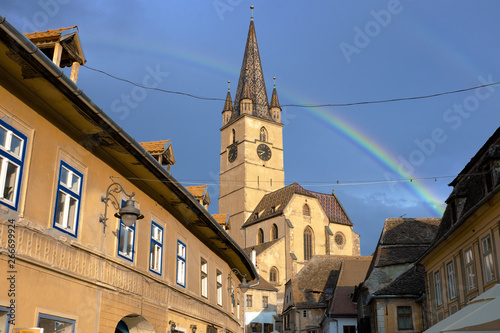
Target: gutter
(72, 92)
(371, 297)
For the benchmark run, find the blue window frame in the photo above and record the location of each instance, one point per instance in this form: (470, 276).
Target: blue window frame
(12, 153)
(4, 319)
(126, 240)
(55, 324)
(181, 264)
(69, 192)
(156, 249)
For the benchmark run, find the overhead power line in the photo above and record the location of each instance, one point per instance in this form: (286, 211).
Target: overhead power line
(302, 105)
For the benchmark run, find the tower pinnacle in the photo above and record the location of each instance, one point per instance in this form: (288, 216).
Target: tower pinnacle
(251, 84)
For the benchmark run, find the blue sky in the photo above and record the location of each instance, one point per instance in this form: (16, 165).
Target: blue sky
(328, 52)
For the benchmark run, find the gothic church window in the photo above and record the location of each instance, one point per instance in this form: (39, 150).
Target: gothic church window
(308, 243)
(263, 134)
(273, 275)
(274, 232)
(260, 236)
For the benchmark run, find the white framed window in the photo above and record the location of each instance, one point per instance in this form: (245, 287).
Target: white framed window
(12, 153)
(204, 277)
(450, 271)
(156, 249)
(181, 263)
(56, 324)
(69, 192)
(126, 240)
(470, 269)
(219, 288)
(439, 292)
(489, 266)
(265, 302)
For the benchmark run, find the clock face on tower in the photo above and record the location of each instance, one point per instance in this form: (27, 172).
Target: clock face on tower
(264, 152)
(232, 154)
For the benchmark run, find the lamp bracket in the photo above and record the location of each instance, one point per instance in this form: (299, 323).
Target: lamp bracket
(112, 189)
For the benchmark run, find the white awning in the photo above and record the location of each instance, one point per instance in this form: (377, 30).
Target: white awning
(481, 315)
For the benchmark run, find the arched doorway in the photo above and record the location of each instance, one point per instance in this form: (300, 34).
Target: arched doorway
(134, 323)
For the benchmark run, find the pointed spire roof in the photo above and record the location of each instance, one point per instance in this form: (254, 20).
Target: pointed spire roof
(275, 103)
(251, 82)
(228, 106)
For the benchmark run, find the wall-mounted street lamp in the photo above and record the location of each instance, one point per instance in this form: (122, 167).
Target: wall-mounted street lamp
(243, 286)
(129, 214)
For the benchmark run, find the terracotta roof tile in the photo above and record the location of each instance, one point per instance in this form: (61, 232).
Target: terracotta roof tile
(48, 34)
(154, 147)
(220, 218)
(197, 191)
(352, 273)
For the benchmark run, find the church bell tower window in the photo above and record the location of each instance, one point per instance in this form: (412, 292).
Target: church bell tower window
(263, 134)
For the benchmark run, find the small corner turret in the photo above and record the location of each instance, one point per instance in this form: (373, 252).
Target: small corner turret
(274, 107)
(228, 106)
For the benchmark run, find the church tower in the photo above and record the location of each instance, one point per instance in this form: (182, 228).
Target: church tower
(251, 157)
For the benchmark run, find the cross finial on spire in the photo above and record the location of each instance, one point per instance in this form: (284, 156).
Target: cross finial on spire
(274, 79)
(228, 86)
(252, 7)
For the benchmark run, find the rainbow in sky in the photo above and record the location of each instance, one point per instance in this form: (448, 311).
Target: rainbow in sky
(366, 144)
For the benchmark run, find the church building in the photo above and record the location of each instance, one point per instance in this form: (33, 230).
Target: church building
(282, 227)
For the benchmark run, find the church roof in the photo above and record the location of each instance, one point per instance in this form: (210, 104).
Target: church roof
(251, 83)
(273, 204)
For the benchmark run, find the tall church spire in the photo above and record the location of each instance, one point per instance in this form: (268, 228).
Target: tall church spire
(251, 81)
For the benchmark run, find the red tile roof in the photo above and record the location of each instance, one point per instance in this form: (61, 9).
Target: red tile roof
(154, 147)
(47, 34)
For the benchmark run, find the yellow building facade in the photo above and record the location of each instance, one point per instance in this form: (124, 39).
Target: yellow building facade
(66, 169)
(464, 260)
